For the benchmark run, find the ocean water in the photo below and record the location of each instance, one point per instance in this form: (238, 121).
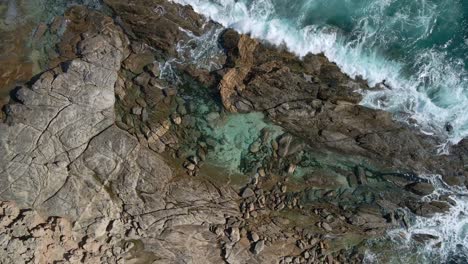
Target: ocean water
(417, 48)
(447, 234)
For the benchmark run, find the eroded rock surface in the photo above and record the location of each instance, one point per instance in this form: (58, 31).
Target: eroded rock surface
(63, 156)
(108, 162)
(314, 100)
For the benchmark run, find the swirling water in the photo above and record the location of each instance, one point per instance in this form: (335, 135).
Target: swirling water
(417, 48)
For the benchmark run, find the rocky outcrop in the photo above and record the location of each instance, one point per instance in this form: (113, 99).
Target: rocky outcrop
(55, 118)
(63, 156)
(232, 82)
(140, 18)
(315, 101)
(107, 162)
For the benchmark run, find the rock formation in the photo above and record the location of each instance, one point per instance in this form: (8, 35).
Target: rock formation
(105, 161)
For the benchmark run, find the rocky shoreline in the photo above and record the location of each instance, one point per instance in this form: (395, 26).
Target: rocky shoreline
(260, 158)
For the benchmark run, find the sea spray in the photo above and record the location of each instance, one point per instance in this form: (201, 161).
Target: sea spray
(416, 49)
(441, 238)
(202, 51)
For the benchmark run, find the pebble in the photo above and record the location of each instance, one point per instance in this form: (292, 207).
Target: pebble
(254, 236)
(144, 115)
(291, 168)
(261, 172)
(137, 110)
(300, 244)
(283, 188)
(234, 234)
(170, 91)
(326, 226)
(141, 102)
(280, 206)
(177, 120)
(255, 147)
(219, 231)
(153, 69)
(190, 166)
(259, 246)
(247, 193)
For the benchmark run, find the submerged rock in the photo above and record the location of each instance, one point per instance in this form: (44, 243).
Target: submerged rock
(422, 238)
(259, 246)
(420, 188)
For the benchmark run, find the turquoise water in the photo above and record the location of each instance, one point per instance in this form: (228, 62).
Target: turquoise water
(235, 134)
(418, 48)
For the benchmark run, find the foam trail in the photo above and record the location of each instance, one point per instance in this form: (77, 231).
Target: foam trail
(428, 85)
(444, 236)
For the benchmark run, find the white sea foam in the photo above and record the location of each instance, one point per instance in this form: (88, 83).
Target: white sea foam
(449, 230)
(433, 95)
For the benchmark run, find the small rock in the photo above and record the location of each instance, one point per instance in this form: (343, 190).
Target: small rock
(361, 175)
(313, 241)
(291, 168)
(243, 106)
(234, 234)
(135, 62)
(137, 110)
(454, 180)
(254, 236)
(120, 91)
(247, 193)
(420, 188)
(327, 227)
(158, 146)
(300, 244)
(190, 166)
(251, 207)
(255, 147)
(284, 143)
(141, 102)
(153, 69)
(422, 238)
(177, 120)
(261, 172)
(280, 206)
(283, 188)
(144, 115)
(219, 231)
(259, 246)
(170, 92)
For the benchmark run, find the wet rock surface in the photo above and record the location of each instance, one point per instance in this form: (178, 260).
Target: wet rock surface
(314, 100)
(107, 160)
